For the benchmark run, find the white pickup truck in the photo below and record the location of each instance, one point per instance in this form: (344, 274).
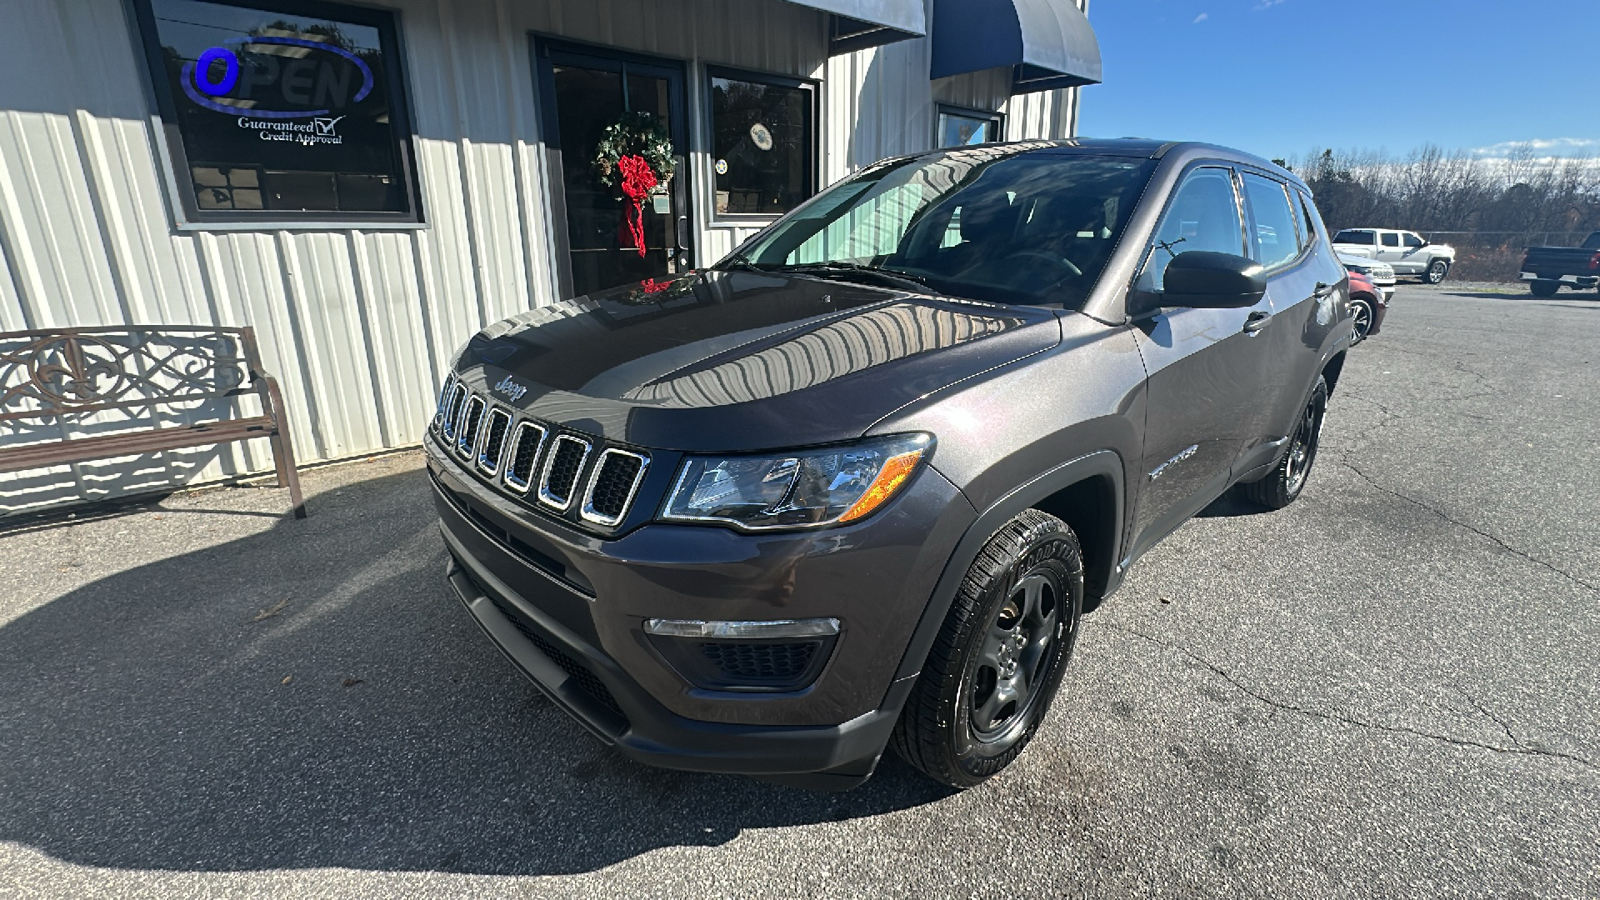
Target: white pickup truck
(1405, 251)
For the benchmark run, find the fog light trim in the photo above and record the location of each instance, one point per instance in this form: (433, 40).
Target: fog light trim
(743, 630)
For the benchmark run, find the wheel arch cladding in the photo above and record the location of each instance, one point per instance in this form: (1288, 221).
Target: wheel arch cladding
(1090, 488)
(1331, 371)
(1090, 509)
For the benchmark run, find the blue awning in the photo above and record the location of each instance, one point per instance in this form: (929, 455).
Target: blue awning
(858, 24)
(1047, 43)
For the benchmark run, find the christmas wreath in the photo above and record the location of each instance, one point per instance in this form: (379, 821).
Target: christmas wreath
(634, 156)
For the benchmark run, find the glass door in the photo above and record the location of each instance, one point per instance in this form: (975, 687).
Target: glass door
(583, 92)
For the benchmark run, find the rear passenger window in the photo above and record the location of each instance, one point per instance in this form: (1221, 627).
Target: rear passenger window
(1390, 239)
(1204, 215)
(1276, 239)
(1308, 235)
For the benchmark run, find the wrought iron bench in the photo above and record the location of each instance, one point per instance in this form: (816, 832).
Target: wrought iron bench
(70, 395)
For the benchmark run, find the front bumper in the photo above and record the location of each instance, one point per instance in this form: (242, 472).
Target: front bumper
(567, 609)
(1576, 282)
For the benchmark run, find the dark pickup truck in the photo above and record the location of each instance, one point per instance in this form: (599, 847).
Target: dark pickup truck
(1546, 269)
(852, 487)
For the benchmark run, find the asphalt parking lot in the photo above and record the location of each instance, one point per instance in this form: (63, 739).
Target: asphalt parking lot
(1388, 689)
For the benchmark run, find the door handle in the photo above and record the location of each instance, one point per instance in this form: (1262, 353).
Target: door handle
(683, 232)
(1257, 321)
(1323, 290)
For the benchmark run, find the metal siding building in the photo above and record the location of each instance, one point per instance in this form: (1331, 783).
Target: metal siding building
(359, 323)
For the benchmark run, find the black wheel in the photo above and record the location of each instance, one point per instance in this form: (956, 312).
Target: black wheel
(1544, 288)
(1285, 482)
(997, 662)
(1361, 312)
(1436, 271)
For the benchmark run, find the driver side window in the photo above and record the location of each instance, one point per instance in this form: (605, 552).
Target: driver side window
(1413, 241)
(1204, 215)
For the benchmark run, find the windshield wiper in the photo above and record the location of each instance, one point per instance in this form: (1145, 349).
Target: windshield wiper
(738, 261)
(903, 280)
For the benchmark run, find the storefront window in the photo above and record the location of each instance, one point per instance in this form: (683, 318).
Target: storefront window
(762, 144)
(281, 111)
(963, 128)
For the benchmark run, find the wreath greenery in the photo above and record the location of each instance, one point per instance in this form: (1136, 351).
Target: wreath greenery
(636, 133)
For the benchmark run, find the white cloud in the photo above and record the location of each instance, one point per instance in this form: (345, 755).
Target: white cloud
(1541, 147)
(1200, 18)
(1268, 4)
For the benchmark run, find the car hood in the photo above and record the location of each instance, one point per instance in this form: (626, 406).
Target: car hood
(742, 360)
(1350, 259)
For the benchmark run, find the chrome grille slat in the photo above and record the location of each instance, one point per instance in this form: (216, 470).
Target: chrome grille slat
(496, 425)
(558, 496)
(467, 435)
(518, 475)
(611, 512)
(439, 411)
(458, 404)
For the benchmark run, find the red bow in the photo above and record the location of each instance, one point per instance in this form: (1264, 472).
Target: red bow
(637, 182)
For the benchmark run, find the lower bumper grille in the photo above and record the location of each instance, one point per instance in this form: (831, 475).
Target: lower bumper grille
(579, 672)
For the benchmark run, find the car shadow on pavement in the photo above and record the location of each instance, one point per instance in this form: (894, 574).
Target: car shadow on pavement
(313, 696)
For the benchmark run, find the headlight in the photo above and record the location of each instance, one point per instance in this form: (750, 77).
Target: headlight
(1364, 270)
(800, 489)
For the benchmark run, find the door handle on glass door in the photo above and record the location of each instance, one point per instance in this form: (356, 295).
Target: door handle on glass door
(1257, 321)
(683, 232)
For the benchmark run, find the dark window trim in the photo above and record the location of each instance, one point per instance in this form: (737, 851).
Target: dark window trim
(1288, 196)
(1239, 205)
(812, 88)
(187, 213)
(999, 118)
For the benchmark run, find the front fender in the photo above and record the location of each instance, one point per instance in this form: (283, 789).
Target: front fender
(1105, 465)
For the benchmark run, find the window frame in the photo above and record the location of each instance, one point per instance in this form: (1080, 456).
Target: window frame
(187, 214)
(708, 130)
(943, 109)
(1240, 206)
(1288, 196)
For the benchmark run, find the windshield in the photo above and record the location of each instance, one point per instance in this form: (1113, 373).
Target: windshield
(1005, 224)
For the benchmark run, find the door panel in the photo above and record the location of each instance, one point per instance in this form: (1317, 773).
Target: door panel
(1204, 368)
(584, 92)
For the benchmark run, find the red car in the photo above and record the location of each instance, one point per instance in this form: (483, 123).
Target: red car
(1367, 303)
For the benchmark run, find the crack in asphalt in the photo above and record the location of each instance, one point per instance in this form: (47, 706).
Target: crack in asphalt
(1504, 726)
(1595, 588)
(1520, 749)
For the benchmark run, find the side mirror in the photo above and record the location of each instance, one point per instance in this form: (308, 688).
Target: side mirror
(1207, 280)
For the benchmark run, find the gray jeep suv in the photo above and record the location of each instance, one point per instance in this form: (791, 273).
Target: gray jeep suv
(853, 487)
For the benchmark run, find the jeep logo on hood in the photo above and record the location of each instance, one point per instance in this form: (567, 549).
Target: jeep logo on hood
(511, 389)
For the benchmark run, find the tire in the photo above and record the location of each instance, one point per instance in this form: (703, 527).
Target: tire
(1362, 314)
(1016, 613)
(1436, 271)
(1288, 478)
(1544, 288)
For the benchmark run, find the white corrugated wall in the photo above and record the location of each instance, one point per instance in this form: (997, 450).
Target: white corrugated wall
(358, 324)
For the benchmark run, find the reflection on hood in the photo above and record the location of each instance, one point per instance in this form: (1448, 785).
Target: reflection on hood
(843, 346)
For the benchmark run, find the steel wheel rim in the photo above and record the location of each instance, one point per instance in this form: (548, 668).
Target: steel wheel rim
(1303, 448)
(1015, 657)
(1436, 273)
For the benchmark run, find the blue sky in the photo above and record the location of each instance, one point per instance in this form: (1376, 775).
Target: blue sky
(1282, 77)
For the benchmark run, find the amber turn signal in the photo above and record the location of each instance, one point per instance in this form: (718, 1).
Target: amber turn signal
(894, 473)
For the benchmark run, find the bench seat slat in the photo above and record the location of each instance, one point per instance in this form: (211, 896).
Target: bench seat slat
(54, 453)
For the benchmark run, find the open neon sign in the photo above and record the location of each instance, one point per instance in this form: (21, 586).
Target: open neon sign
(200, 86)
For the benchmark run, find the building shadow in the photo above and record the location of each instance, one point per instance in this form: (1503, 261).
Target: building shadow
(1570, 299)
(312, 696)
